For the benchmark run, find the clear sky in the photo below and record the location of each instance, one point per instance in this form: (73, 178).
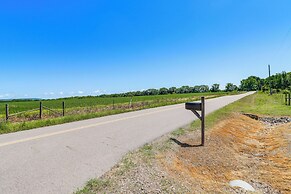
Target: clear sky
(55, 48)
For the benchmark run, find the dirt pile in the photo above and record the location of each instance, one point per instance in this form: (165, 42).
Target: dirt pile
(237, 148)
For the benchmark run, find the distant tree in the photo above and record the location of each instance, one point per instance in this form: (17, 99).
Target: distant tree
(138, 93)
(172, 90)
(252, 83)
(230, 87)
(152, 92)
(196, 89)
(215, 88)
(191, 90)
(279, 81)
(144, 93)
(163, 91)
(204, 88)
(183, 90)
(178, 91)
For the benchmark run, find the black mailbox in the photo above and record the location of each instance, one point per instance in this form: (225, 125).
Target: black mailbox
(193, 105)
(198, 106)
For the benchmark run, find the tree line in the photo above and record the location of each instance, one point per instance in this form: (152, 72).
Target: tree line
(278, 82)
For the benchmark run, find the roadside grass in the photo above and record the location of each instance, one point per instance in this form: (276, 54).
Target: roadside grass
(94, 184)
(147, 153)
(258, 103)
(178, 132)
(126, 164)
(155, 101)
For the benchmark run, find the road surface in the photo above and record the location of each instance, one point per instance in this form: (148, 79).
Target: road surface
(60, 159)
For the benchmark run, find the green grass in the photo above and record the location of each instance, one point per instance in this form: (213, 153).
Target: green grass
(88, 102)
(258, 103)
(78, 102)
(93, 185)
(178, 132)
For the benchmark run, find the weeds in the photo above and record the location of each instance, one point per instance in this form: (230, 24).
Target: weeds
(94, 185)
(125, 164)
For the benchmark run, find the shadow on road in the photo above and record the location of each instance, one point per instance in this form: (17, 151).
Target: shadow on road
(184, 145)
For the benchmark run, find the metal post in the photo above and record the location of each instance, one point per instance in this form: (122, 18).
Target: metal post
(63, 108)
(202, 120)
(289, 99)
(286, 95)
(7, 112)
(40, 110)
(270, 79)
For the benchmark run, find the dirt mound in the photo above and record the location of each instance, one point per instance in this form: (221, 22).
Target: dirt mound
(237, 148)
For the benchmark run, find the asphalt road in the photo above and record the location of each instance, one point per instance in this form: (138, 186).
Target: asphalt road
(60, 159)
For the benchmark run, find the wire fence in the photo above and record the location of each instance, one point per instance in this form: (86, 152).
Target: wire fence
(32, 114)
(46, 112)
(287, 99)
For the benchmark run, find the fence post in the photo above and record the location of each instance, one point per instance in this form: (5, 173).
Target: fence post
(7, 112)
(289, 99)
(113, 104)
(130, 102)
(63, 108)
(40, 110)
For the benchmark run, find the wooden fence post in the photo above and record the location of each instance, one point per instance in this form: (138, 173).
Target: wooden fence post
(7, 112)
(130, 103)
(289, 99)
(40, 110)
(63, 108)
(202, 121)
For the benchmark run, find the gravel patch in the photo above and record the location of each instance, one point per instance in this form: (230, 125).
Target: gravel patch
(272, 121)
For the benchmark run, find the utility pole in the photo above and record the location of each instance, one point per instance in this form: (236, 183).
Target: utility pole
(270, 79)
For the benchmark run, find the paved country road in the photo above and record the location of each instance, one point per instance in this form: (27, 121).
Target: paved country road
(59, 159)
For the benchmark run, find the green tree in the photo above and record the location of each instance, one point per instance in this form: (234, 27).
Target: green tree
(183, 90)
(172, 90)
(163, 91)
(252, 83)
(230, 87)
(204, 88)
(152, 92)
(215, 88)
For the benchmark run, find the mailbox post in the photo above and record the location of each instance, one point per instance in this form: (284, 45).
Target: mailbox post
(198, 106)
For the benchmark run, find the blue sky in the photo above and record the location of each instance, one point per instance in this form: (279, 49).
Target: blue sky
(59, 48)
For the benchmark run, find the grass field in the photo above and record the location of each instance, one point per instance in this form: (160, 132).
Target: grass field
(85, 108)
(78, 102)
(259, 104)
